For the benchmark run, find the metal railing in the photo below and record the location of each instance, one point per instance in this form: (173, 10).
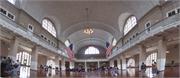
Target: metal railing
(159, 26)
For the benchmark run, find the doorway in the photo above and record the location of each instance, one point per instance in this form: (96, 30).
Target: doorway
(24, 59)
(67, 65)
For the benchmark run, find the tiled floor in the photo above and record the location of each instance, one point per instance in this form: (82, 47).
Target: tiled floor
(130, 73)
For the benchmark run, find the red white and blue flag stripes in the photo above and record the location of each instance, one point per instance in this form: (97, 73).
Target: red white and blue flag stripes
(70, 53)
(109, 50)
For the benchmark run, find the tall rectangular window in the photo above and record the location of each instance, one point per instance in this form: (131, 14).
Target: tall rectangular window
(178, 10)
(147, 27)
(173, 12)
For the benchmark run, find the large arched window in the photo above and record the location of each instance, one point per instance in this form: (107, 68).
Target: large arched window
(91, 50)
(12, 1)
(67, 43)
(114, 41)
(48, 25)
(130, 23)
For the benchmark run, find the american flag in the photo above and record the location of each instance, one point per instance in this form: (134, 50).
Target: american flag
(70, 53)
(109, 50)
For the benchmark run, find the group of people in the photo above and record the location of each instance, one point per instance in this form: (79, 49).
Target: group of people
(9, 68)
(45, 68)
(48, 69)
(114, 71)
(154, 68)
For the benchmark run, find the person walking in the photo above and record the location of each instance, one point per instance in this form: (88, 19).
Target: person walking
(154, 69)
(143, 69)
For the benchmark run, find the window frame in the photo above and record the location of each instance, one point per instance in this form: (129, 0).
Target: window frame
(178, 8)
(114, 42)
(7, 12)
(50, 27)
(131, 27)
(147, 29)
(91, 50)
(12, 15)
(10, 1)
(31, 26)
(67, 43)
(170, 11)
(4, 10)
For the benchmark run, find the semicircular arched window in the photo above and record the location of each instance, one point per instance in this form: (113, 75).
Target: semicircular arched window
(130, 23)
(91, 50)
(48, 25)
(12, 1)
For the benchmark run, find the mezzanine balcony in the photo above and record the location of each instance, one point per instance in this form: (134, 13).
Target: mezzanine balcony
(25, 33)
(162, 25)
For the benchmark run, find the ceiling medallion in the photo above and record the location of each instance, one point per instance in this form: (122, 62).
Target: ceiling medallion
(87, 30)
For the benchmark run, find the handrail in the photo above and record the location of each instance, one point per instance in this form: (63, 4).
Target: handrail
(143, 34)
(89, 60)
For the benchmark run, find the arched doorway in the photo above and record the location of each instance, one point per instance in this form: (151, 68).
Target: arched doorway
(149, 61)
(152, 57)
(67, 65)
(131, 63)
(52, 64)
(115, 63)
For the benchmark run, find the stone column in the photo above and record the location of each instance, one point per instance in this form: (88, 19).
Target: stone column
(123, 63)
(71, 64)
(161, 55)
(119, 63)
(98, 64)
(13, 49)
(85, 66)
(63, 64)
(142, 55)
(111, 63)
(34, 58)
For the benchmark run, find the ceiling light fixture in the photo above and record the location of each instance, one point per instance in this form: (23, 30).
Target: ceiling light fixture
(88, 30)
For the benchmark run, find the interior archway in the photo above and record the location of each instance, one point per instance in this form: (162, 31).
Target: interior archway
(152, 57)
(131, 63)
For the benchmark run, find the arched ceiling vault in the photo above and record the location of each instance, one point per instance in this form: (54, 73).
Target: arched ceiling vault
(69, 17)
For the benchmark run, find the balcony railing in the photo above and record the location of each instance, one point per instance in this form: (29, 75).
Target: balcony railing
(90, 60)
(160, 26)
(24, 32)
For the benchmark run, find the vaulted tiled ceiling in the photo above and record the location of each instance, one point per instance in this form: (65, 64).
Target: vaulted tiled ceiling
(69, 17)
